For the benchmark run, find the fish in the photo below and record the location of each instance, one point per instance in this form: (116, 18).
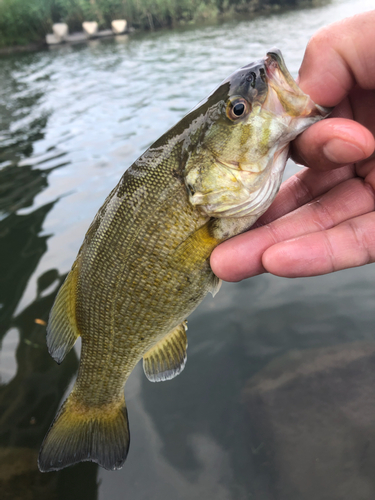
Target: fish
(143, 266)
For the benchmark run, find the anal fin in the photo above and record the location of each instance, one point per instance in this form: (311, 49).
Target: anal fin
(168, 357)
(62, 330)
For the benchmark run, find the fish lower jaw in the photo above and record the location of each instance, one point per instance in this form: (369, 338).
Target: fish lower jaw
(257, 201)
(256, 204)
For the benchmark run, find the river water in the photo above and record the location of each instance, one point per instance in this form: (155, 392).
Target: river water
(277, 398)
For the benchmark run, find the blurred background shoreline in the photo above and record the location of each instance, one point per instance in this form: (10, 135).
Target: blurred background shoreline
(24, 25)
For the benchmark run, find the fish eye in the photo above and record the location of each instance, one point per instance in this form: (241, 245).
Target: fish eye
(237, 108)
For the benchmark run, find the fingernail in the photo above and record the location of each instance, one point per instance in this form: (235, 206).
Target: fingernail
(339, 151)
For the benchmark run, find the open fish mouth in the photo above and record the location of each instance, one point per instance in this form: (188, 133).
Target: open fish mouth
(284, 95)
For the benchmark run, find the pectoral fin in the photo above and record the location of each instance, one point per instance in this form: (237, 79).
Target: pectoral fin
(168, 357)
(62, 330)
(195, 250)
(216, 285)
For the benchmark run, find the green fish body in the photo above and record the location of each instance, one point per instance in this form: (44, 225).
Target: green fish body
(144, 264)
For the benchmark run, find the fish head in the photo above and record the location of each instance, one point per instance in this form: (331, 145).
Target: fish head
(237, 164)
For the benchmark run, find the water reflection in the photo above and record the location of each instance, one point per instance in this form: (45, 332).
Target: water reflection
(30, 399)
(279, 418)
(31, 385)
(8, 361)
(19, 186)
(312, 418)
(20, 251)
(28, 402)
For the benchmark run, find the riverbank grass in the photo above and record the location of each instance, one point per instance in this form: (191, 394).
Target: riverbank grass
(24, 22)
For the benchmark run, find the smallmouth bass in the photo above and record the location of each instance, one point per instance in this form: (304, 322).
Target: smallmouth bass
(144, 264)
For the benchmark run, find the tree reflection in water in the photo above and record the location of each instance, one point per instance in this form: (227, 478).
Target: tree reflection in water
(29, 401)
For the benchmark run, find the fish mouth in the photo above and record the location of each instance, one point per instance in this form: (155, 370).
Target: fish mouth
(276, 69)
(284, 96)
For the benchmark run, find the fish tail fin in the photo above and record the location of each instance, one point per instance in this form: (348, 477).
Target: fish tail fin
(79, 434)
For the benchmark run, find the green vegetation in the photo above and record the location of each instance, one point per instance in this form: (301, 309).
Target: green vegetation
(25, 21)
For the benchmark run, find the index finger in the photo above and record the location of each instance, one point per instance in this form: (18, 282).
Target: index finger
(337, 57)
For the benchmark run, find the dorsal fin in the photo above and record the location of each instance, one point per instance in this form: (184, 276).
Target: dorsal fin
(168, 357)
(62, 330)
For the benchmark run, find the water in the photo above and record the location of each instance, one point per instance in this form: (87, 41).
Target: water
(276, 401)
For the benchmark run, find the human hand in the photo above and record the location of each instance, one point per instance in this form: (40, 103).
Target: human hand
(323, 218)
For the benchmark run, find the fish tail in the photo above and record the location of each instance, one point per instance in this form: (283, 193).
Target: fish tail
(78, 434)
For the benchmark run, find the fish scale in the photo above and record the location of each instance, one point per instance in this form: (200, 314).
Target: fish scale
(149, 240)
